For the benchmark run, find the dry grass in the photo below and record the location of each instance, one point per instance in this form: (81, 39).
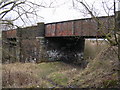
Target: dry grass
(20, 75)
(100, 72)
(28, 75)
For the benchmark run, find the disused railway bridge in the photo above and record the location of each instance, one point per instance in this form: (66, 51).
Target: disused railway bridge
(53, 41)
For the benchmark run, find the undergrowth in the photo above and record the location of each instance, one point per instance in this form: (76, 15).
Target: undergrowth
(99, 73)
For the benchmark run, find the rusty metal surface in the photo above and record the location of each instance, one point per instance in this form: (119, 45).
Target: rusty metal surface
(11, 33)
(105, 26)
(64, 29)
(81, 27)
(50, 30)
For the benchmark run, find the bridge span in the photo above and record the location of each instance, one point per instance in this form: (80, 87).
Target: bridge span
(53, 41)
(88, 27)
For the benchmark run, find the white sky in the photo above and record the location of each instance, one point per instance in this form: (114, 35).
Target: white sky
(64, 10)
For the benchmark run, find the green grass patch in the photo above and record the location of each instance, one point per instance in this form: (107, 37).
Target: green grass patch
(110, 83)
(48, 68)
(59, 78)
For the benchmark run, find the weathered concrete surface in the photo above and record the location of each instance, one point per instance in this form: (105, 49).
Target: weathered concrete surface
(29, 44)
(9, 50)
(22, 44)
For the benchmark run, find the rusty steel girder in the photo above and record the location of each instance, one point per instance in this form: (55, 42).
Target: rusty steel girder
(81, 27)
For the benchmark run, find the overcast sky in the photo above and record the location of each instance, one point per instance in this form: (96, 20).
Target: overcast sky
(67, 12)
(63, 10)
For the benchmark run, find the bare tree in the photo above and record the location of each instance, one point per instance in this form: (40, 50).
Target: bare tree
(113, 40)
(22, 10)
(115, 35)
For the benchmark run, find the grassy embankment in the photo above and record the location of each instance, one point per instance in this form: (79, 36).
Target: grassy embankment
(100, 71)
